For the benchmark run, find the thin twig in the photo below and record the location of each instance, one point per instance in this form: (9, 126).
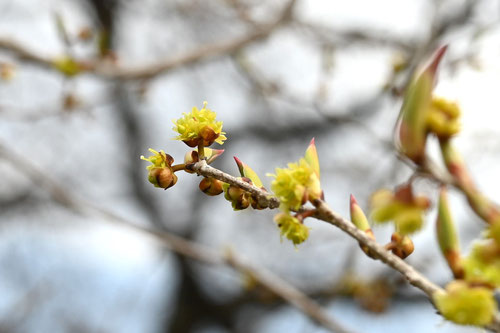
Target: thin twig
(202, 53)
(266, 199)
(326, 214)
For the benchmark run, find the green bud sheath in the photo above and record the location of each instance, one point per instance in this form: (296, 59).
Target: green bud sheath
(311, 157)
(412, 130)
(447, 236)
(359, 219)
(357, 216)
(456, 165)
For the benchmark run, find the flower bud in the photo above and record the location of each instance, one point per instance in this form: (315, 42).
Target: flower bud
(208, 136)
(359, 219)
(402, 246)
(211, 186)
(162, 177)
(190, 157)
(160, 172)
(239, 198)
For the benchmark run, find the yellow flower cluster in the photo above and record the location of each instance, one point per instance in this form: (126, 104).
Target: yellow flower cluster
(466, 305)
(482, 265)
(295, 185)
(291, 228)
(406, 210)
(199, 127)
(443, 117)
(160, 171)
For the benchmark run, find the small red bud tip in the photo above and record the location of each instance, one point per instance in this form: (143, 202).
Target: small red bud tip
(353, 200)
(240, 165)
(214, 154)
(437, 59)
(312, 142)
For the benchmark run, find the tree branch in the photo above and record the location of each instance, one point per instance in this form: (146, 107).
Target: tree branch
(149, 71)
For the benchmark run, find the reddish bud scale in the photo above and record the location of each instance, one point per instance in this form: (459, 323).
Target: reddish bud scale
(454, 260)
(211, 186)
(162, 177)
(239, 198)
(404, 193)
(402, 246)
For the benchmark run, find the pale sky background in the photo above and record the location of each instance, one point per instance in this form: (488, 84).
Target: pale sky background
(113, 279)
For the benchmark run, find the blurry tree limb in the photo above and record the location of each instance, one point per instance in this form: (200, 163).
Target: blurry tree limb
(149, 71)
(352, 37)
(178, 244)
(25, 54)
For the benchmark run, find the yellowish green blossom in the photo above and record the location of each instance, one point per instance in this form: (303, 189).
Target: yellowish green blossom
(199, 127)
(296, 184)
(482, 265)
(404, 209)
(291, 228)
(158, 159)
(160, 172)
(493, 232)
(443, 117)
(466, 305)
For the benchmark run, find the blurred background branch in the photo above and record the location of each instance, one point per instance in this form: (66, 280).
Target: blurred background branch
(87, 86)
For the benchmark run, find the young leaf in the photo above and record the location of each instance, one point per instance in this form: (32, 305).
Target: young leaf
(246, 171)
(311, 157)
(412, 130)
